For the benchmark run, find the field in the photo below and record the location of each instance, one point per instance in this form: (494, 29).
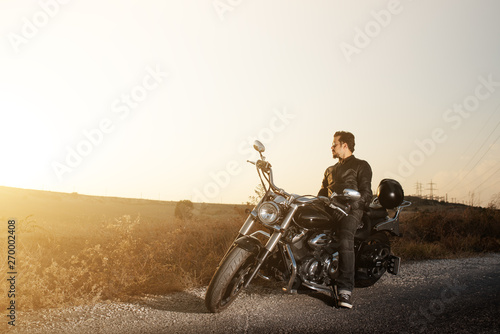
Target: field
(74, 249)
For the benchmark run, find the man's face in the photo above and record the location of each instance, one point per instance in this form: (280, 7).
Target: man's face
(337, 148)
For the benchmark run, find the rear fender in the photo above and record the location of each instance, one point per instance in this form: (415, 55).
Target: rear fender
(391, 225)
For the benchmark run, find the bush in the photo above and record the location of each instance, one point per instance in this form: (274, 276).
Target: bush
(448, 233)
(184, 209)
(118, 259)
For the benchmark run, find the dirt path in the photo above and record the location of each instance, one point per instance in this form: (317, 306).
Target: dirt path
(441, 296)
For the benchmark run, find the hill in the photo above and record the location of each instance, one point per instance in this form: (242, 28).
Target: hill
(60, 208)
(73, 249)
(419, 203)
(57, 209)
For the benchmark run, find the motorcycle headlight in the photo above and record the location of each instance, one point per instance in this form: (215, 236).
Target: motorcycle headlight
(268, 212)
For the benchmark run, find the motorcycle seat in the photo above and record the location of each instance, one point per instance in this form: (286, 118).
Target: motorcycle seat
(376, 213)
(364, 228)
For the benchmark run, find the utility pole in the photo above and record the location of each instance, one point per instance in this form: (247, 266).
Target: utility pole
(472, 196)
(431, 189)
(418, 189)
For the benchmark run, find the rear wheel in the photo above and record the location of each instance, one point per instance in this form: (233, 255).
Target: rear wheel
(372, 260)
(229, 279)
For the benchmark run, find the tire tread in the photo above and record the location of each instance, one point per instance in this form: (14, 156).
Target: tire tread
(235, 259)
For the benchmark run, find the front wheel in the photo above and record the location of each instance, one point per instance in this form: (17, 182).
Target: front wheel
(229, 279)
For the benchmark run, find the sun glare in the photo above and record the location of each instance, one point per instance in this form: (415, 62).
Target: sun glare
(25, 144)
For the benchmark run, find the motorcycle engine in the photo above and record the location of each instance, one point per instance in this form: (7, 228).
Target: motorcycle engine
(317, 260)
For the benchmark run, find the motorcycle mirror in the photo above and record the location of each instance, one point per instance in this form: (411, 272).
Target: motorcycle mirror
(352, 194)
(258, 146)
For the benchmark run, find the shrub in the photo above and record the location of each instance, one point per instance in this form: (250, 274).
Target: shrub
(120, 258)
(448, 233)
(184, 209)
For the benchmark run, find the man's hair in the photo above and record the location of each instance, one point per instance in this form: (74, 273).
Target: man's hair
(346, 137)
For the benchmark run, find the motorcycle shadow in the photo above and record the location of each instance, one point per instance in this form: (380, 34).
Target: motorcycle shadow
(327, 299)
(182, 302)
(194, 301)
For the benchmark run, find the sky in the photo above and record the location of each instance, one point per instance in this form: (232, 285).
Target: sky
(163, 99)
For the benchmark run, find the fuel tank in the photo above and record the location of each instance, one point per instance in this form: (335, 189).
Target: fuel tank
(314, 215)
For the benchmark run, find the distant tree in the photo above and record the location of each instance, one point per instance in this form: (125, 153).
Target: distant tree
(259, 193)
(184, 209)
(495, 201)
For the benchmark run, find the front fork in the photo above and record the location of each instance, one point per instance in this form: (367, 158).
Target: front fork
(274, 238)
(244, 230)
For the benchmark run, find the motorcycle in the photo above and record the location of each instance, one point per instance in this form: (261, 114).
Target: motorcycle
(299, 245)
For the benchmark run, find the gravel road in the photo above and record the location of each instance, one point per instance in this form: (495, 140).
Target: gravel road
(440, 296)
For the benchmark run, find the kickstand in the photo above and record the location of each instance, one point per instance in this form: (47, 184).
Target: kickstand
(335, 296)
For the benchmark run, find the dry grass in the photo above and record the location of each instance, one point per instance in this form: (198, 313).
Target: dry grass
(77, 250)
(116, 260)
(448, 233)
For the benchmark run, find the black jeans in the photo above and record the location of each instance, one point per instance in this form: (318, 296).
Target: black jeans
(347, 228)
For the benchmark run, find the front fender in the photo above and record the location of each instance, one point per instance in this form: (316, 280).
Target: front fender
(249, 243)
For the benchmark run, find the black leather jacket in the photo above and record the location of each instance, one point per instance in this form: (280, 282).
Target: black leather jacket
(350, 173)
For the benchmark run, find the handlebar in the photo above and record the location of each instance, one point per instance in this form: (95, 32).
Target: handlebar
(266, 168)
(345, 208)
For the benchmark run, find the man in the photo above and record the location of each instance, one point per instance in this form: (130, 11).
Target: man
(356, 174)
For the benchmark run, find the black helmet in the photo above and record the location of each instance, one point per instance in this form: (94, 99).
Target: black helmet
(390, 193)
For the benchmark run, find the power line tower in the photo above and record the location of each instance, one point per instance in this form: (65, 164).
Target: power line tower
(418, 189)
(472, 198)
(431, 189)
